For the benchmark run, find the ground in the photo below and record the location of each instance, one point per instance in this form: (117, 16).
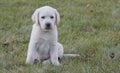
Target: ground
(90, 28)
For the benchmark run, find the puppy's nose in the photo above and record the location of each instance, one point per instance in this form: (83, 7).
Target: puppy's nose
(48, 25)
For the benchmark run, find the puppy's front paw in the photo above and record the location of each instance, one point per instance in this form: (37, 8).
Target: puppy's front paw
(56, 63)
(29, 61)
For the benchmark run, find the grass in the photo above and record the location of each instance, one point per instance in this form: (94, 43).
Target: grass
(88, 27)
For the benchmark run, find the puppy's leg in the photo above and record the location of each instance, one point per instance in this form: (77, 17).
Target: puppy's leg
(32, 54)
(60, 50)
(32, 48)
(54, 55)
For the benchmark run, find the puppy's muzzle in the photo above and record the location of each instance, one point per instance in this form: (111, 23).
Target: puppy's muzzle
(48, 25)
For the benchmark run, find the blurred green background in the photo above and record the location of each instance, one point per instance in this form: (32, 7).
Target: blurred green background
(90, 28)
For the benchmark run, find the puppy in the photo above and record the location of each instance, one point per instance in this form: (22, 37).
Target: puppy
(44, 45)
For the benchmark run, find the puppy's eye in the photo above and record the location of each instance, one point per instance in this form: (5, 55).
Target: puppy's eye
(43, 17)
(51, 17)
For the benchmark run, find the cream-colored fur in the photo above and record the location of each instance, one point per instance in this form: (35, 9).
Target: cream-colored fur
(44, 37)
(44, 46)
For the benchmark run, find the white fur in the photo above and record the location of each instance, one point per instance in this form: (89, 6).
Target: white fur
(44, 42)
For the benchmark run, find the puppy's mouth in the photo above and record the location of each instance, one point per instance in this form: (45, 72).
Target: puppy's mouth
(48, 28)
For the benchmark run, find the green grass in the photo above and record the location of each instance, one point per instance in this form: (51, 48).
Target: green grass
(88, 27)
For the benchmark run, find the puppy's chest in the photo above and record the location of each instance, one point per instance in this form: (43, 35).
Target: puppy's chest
(45, 42)
(43, 47)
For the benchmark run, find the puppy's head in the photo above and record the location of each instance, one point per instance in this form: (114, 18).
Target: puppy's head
(47, 17)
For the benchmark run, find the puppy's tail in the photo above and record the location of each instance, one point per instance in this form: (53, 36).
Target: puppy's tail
(71, 55)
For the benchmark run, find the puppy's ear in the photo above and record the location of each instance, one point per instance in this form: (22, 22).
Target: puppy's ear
(57, 16)
(35, 16)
